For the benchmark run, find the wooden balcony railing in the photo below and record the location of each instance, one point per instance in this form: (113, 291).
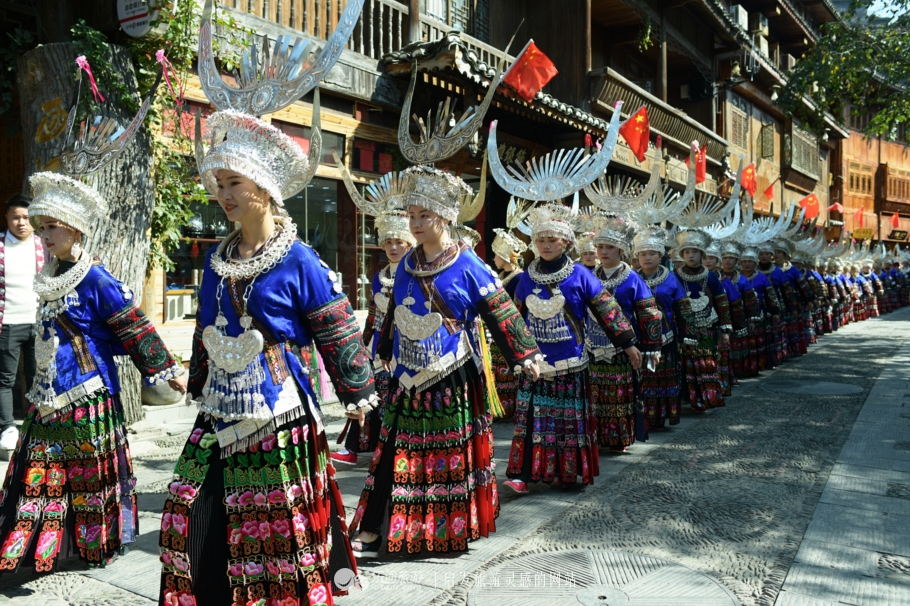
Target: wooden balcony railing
(671, 123)
(383, 26)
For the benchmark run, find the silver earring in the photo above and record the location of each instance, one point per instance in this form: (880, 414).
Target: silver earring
(76, 250)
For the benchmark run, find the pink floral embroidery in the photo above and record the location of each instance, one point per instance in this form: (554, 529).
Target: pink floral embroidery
(281, 527)
(269, 442)
(196, 435)
(250, 529)
(307, 559)
(277, 496)
(318, 595)
(246, 499)
(252, 569)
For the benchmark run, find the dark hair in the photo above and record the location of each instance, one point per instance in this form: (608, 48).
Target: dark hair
(18, 201)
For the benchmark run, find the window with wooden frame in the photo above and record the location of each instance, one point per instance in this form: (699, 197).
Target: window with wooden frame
(739, 122)
(860, 179)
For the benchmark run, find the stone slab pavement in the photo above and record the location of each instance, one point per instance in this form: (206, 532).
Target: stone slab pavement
(722, 493)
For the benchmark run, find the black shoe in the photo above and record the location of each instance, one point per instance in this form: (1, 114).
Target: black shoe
(362, 549)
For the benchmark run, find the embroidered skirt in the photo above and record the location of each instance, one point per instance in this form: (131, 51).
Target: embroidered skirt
(660, 389)
(261, 526)
(743, 364)
(613, 399)
(506, 383)
(364, 438)
(69, 488)
(699, 366)
(555, 437)
(434, 463)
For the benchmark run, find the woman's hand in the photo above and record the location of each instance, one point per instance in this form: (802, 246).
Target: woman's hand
(359, 415)
(178, 383)
(634, 356)
(386, 365)
(532, 371)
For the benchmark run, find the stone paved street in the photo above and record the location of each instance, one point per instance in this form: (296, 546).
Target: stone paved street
(783, 497)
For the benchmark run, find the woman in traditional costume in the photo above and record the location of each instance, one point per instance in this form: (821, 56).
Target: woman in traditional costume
(615, 386)
(587, 251)
(660, 392)
(434, 461)
(762, 344)
(780, 332)
(396, 239)
(555, 437)
(797, 296)
(712, 323)
(507, 251)
(70, 486)
(744, 315)
(253, 514)
(734, 301)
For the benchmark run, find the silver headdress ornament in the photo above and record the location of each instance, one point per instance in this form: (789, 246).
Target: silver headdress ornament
(713, 249)
(750, 253)
(240, 141)
(505, 244)
(702, 209)
(394, 225)
(556, 175)
(729, 248)
(283, 77)
(693, 238)
(384, 195)
(650, 238)
(764, 229)
(614, 231)
(555, 220)
(619, 195)
(467, 234)
(64, 196)
(585, 242)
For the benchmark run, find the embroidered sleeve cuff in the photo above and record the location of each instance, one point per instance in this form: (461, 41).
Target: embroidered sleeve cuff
(163, 376)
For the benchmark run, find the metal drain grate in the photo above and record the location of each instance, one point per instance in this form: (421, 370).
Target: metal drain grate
(595, 578)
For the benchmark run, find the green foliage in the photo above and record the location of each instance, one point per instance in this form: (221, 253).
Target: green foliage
(644, 36)
(861, 65)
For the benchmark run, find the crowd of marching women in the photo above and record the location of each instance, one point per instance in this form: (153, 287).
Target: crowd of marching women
(628, 311)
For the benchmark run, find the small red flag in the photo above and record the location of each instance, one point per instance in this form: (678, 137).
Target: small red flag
(895, 220)
(858, 216)
(701, 163)
(810, 203)
(769, 193)
(837, 206)
(530, 72)
(637, 132)
(749, 183)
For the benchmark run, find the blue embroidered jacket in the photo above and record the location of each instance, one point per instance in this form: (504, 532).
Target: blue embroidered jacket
(561, 336)
(294, 305)
(673, 301)
(100, 322)
(765, 292)
(640, 308)
(429, 328)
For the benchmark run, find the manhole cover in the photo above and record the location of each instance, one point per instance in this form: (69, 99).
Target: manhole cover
(601, 578)
(812, 388)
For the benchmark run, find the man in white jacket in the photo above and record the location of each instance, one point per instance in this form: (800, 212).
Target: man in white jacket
(22, 255)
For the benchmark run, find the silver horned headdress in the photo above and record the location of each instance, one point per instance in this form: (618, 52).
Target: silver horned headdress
(239, 140)
(554, 220)
(621, 195)
(650, 238)
(556, 175)
(64, 196)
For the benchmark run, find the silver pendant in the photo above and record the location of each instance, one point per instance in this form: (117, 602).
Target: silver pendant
(232, 354)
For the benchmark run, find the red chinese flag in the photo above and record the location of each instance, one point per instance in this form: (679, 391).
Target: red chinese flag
(530, 72)
(749, 182)
(810, 203)
(837, 206)
(769, 193)
(895, 220)
(637, 132)
(858, 217)
(701, 164)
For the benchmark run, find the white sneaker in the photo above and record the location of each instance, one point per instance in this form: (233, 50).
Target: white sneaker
(8, 438)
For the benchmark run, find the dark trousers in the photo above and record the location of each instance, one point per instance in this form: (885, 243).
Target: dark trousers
(15, 340)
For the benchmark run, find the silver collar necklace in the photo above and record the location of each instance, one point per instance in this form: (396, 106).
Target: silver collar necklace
(50, 287)
(554, 278)
(274, 251)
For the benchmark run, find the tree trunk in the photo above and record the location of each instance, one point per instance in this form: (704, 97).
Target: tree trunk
(46, 88)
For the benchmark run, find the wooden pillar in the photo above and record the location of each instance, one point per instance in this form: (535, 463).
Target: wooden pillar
(414, 33)
(662, 58)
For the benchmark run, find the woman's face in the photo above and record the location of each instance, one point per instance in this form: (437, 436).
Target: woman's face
(499, 262)
(649, 261)
(395, 249)
(58, 237)
(729, 264)
(780, 257)
(589, 258)
(765, 257)
(240, 198)
(550, 248)
(691, 257)
(609, 255)
(748, 266)
(710, 262)
(426, 226)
